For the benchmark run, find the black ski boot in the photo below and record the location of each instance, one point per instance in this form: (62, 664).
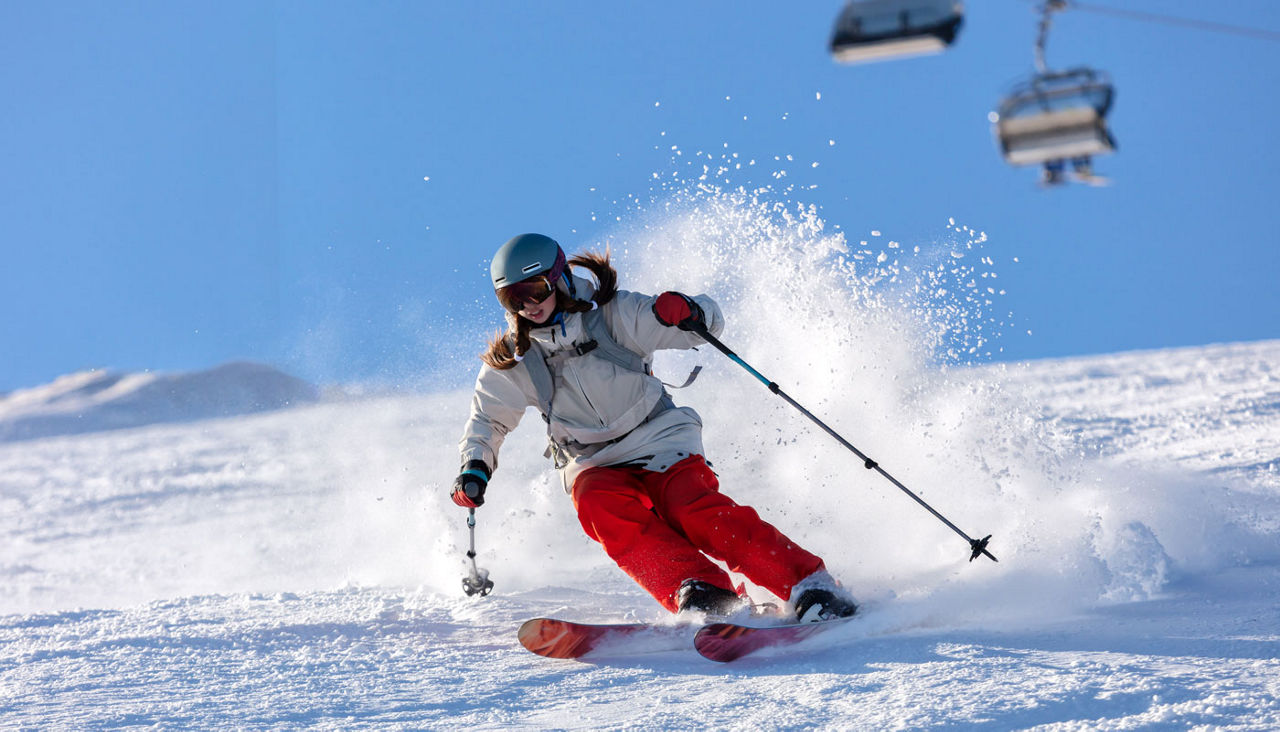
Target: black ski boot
(817, 605)
(703, 597)
(819, 597)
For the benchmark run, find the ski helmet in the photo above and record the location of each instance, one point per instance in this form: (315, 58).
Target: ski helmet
(525, 256)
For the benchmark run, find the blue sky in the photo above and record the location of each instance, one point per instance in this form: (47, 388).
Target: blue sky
(319, 185)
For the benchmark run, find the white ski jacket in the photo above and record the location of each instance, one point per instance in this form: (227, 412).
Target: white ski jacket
(601, 414)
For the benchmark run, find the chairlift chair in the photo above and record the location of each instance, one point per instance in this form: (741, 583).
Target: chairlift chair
(1056, 117)
(873, 30)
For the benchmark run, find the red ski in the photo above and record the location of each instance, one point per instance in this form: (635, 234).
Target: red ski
(725, 642)
(566, 639)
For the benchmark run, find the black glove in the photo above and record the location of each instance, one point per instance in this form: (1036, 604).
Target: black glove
(678, 309)
(468, 487)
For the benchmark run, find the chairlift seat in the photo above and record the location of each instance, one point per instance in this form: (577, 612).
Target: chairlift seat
(1056, 116)
(1056, 135)
(872, 30)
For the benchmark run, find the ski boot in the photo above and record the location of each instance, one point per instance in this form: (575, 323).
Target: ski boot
(696, 596)
(819, 597)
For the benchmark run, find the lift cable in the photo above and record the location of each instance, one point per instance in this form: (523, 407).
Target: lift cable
(1204, 25)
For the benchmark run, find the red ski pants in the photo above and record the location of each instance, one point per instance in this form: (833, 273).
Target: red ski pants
(661, 527)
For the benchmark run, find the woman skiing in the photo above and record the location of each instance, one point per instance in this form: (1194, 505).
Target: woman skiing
(632, 461)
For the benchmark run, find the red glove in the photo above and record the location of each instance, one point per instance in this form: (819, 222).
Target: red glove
(674, 308)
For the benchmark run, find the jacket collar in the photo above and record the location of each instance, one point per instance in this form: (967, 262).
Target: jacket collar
(564, 329)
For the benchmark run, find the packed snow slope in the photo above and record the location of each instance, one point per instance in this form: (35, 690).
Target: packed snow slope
(302, 567)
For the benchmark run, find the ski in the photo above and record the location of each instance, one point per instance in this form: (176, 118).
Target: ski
(556, 638)
(726, 642)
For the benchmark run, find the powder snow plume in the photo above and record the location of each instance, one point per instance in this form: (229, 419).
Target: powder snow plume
(876, 337)
(873, 335)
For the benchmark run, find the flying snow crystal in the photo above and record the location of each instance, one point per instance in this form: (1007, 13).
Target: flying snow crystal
(818, 96)
(831, 143)
(426, 177)
(875, 233)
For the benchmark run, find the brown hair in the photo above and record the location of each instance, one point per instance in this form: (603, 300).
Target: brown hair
(506, 349)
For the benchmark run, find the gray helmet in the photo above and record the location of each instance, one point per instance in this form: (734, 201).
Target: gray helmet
(525, 256)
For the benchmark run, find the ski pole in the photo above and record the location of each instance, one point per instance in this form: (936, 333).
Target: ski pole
(978, 546)
(478, 582)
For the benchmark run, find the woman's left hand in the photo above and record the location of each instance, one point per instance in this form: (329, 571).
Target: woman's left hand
(678, 309)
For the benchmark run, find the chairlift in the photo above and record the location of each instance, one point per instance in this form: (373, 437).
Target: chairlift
(1054, 118)
(874, 30)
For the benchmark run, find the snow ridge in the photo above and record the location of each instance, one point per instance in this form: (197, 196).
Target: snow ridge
(93, 401)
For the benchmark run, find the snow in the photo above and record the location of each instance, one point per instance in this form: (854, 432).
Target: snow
(291, 568)
(302, 567)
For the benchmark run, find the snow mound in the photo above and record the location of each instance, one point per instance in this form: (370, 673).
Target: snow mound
(94, 401)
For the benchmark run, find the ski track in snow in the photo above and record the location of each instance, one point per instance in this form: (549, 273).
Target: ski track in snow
(280, 570)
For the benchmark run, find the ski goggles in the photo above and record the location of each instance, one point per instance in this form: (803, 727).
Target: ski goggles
(515, 297)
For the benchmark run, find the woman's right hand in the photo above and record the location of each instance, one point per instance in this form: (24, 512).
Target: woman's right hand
(468, 487)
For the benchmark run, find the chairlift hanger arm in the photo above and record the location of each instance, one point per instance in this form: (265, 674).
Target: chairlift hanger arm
(1047, 9)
